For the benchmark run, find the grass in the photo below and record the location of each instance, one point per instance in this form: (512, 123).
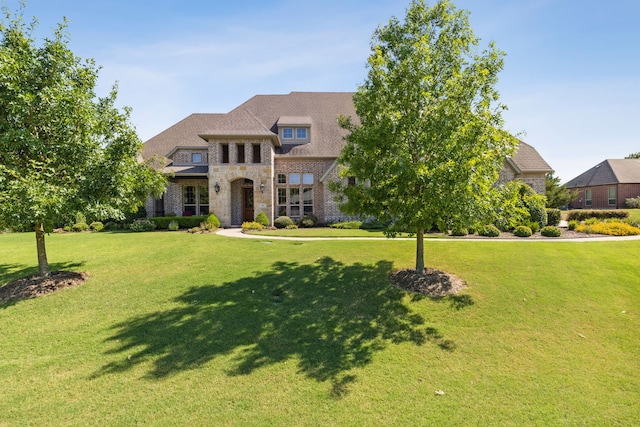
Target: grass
(324, 232)
(176, 329)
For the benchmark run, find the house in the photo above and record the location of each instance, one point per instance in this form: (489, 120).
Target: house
(275, 154)
(606, 185)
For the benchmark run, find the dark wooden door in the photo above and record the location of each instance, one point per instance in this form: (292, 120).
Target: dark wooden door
(247, 204)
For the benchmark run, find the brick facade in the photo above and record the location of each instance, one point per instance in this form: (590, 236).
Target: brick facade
(600, 196)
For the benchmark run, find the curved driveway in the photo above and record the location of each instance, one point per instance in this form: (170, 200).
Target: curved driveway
(237, 232)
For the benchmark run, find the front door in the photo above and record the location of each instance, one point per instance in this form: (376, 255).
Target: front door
(247, 204)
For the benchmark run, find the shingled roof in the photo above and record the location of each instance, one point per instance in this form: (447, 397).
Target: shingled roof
(527, 160)
(258, 117)
(610, 171)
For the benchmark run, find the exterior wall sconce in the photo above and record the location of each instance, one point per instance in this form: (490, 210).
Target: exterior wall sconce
(217, 187)
(262, 188)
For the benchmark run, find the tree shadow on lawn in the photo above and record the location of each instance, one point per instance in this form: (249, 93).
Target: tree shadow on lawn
(329, 316)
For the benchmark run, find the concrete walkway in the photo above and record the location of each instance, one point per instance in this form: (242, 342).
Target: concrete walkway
(237, 232)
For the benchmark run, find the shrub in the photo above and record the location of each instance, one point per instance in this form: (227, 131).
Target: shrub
(283, 222)
(80, 226)
(609, 228)
(173, 226)
(67, 228)
(534, 226)
(80, 218)
(373, 224)
(140, 225)
(252, 225)
(111, 226)
(632, 203)
(97, 226)
(308, 221)
(347, 225)
(291, 227)
(581, 215)
(162, 222)
(212, 222)
(459, 232)
(554, 216)
(550, 231)
(488, 231)
(571, 225)
(262, 219)
(522, 231)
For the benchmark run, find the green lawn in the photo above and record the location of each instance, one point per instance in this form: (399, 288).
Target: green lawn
(189, 329)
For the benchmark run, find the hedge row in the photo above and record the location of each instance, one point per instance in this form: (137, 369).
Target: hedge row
(581, 215)
(162, 222)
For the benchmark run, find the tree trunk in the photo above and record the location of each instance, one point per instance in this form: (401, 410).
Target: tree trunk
(43, 264)
(420, 251)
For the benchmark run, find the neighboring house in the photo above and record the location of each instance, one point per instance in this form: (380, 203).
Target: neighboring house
(275, 154)
(606, 185)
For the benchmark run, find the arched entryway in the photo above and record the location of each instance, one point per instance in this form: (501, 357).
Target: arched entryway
(242, 201)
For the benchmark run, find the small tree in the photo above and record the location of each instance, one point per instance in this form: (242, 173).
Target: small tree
(557, 195)
(428, 146)
(62, 150)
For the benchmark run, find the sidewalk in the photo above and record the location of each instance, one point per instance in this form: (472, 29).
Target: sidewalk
(237, 233)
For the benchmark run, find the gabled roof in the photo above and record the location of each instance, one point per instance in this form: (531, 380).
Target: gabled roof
(527, 160)
(611, 171)
(259, 117)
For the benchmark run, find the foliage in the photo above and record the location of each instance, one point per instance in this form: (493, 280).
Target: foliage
(291, 227)
(460, 232)
(350, 225)
(509, 209)
(488, 231)
(558, 195)
(308, 221)
(609, 228)
(252, 225)
(633, 156)
(283, 222)
(62, 149)
(96, 226)
(632, 203)
(80, 218)
(162, 222)
(554, 216)
(534, 226)
(80, 226)
(112, 226)
(573, 224)
(374, 224)
(581, 215)
(140, 225)
(212, 222)
(535, 204)
(522, 231)
(428, 143)
(173, 226)
(262, 219)
(551, 231)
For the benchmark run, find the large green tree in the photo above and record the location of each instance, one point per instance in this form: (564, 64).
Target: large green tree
(62, 148)
(558, 195)
(428, 145)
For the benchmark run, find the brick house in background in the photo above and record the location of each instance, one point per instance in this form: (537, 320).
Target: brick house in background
(275, 154)
(606, 185)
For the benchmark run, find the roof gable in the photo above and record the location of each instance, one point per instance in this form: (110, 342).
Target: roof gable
(526, 159)
(610, 171)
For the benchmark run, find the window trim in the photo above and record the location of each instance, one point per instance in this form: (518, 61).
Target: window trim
(285, 131)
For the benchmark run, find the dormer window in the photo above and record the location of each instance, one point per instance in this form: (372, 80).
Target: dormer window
(287, 133)
(294, 130)
(301, 133)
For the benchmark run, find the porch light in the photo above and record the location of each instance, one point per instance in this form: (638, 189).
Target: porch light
(217, 187)
(262, 188)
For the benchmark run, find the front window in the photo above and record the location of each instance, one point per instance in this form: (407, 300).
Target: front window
(301, 133)
(282, 178)
(612, 196)
(294, 202)
(282, 202)
(225, 153)
(294, 178)
(287, 133)
(196, 157)
(307, 200)
(587, 198)
(195, 200)
(240, 152)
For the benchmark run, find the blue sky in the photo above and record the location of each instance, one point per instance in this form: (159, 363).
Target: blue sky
(571, 78)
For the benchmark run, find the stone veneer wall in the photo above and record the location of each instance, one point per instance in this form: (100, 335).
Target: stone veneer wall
(537, 181)
(230, 177)
(331, 208)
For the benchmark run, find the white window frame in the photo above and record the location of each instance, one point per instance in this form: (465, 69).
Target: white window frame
(285, 131)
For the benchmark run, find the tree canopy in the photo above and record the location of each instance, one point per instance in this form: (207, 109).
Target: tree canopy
(429, 142)
(62, 149)
(633, 156)
(558, 195)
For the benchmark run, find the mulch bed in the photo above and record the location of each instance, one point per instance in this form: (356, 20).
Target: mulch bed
(433, 283)
(35, 286)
